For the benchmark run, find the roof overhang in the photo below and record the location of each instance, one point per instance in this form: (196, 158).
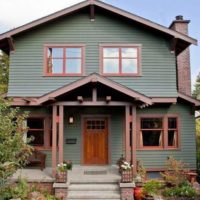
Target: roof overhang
(183, 40)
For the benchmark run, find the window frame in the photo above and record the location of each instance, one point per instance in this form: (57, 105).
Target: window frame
(65, 46)
(164, 133)
(46, 130)
(120, 58)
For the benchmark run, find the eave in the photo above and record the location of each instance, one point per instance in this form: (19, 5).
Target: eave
(186, 40)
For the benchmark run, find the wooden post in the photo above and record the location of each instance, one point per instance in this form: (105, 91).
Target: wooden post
(61, 127)
(134, 143)
(54, 140)
(127, 136)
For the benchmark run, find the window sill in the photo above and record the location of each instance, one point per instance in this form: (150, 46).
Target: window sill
(158, 149)
(63, 75)
(121, 75)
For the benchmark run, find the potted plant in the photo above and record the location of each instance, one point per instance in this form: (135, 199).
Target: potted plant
(68, 163)
(126, 172)
(61, 173)
(151, 189)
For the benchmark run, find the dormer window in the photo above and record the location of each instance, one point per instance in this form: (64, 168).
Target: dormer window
(120, 60)
(64, 60)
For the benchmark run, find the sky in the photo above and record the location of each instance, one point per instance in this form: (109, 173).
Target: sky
(14, 13)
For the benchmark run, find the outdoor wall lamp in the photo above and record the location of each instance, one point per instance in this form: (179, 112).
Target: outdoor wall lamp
(71, 120)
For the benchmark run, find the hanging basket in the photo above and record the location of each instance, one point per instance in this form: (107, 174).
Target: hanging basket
(127, 176)
(61, 177)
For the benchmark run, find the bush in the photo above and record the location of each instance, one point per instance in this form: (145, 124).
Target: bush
(183, 190)
(151, 188)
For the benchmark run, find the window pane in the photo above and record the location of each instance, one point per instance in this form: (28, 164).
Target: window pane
(129, 52)
(111, 66)
(152, 138)
(172, 140)
(34, 123)
(55, 52)
(73, 52)
(38, 138)
(151, 123)
(57, 66)
(73, 66)
(172, 123)
(111, 52)
(129, 65)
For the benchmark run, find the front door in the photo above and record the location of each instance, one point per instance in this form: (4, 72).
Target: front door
(95, 137)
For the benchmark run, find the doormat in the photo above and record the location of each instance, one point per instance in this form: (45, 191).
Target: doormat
(92, 172)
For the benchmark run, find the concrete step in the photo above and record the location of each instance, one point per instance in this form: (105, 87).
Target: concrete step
(94, 187)
(91, 199)
(93, 195)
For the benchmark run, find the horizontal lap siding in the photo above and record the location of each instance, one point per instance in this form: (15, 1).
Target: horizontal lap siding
(26, 65)
(187, 152)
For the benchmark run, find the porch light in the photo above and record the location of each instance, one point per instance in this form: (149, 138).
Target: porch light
(71, 120)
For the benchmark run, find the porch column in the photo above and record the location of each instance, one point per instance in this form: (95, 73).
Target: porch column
(54, 140)
(134, 142)
(60, 134)
(127, 133)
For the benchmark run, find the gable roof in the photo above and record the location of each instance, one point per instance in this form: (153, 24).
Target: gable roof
(189, 99)
(184, 38)
(96, 79)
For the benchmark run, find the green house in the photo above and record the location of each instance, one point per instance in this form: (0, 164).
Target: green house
(100, 82)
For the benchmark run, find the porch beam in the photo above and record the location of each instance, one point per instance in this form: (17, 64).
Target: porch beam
(127, 134)
(134, 143)
(54, 140)
(61, 127)
(91, 103)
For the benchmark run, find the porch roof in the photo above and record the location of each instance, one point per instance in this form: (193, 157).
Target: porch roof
(94, 78)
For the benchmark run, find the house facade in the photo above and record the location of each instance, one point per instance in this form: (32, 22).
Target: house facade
(100, 82)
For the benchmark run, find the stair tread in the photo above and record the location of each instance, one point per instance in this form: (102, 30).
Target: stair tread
(94, 194)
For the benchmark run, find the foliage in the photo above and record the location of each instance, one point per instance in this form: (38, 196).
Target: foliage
(25, 192)
(151, 188)
(175, 173)
(141, 171)
(63, 167)
(126, 166)
(183, 190)
(196, 92)
(14, 152)
(4, 70)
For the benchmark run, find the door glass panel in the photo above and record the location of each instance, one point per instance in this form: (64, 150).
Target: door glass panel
(95, 124)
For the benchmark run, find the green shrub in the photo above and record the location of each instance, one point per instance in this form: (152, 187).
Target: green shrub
(151, 188)
(183, 190)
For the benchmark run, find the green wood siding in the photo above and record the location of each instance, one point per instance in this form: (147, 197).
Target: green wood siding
(187, 152)
(26, 63)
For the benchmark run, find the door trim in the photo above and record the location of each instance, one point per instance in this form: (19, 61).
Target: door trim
(82, 136)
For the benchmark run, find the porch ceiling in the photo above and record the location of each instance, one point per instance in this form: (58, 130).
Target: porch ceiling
(104, 86)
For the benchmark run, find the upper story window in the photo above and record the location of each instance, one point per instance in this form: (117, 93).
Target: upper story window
(120, 60)
(65, 60)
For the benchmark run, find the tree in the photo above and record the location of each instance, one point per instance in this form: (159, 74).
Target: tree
(4, 70)
(14, 151)
(196, 92)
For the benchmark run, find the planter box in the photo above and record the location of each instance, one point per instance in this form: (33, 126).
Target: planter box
(61, 177)
(127, 176)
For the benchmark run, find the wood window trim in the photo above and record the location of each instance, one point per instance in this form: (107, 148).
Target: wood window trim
(139, 52)
(45, 71)
(165, 132)
(47, 131)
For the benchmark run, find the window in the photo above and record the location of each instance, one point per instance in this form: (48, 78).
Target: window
(120, 60)
(64, 60)
(152, 132)
(36, 130)
(39, 128)
(158, 132)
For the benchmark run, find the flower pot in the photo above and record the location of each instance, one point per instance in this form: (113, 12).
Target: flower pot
(61, 177)
(137, 193)
(126, 176)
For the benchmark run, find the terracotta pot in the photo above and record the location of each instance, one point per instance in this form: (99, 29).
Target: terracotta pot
(61, 177)
(137, 193)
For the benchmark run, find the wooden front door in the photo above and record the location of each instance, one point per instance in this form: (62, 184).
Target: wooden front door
(95, 139)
